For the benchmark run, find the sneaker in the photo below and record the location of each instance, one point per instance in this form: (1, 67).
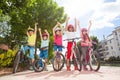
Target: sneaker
(91, 69)
(45, 69)
(68, 68)
(85, 68)
(75, 68)
(31, 68)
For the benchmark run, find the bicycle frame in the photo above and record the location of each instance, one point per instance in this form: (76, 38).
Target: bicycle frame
(72, 48)
(22, 49)
(90, 54)
(90, 51)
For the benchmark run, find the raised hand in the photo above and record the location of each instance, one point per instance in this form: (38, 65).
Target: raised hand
(39, 29)
(67, 18)
(58, 23)
(78, 22)
(36, 24)
(45, 30)
(75, 19)
(90, 21)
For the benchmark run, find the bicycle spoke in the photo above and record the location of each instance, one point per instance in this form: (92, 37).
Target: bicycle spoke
(58, 62)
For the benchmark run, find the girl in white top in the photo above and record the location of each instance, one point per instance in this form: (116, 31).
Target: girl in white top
(70, 33)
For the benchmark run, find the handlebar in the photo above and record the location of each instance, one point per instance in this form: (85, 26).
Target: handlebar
(19, 42)
(72, 39)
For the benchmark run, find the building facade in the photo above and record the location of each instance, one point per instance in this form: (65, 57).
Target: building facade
(110, 46)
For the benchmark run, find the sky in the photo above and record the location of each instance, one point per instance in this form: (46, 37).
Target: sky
(105, 14)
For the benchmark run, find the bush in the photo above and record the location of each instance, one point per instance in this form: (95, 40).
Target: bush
(6, 58)
(112, 58)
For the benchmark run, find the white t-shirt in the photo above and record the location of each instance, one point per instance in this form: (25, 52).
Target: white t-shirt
(70, 35)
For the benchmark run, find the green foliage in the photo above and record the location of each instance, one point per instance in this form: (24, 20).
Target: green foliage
(95, 39)
(23, 13)
(6, 58)
(79, 46)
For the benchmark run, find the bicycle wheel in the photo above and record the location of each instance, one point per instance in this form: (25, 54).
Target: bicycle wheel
(94, 61)
(27, 62)
(78, 58)
(58, 61)
(16, 61)
(38, 66)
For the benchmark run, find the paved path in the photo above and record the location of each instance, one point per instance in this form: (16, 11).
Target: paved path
(105, 73)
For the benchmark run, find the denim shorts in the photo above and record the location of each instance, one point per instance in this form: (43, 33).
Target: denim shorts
(44, 54)
(31, 49)
(57, 48)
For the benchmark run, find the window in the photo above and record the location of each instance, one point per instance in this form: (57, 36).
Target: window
(111, 47)
(110, 41)
(116, 38)
(115, 33)
(100, 46)
(105, 43)
(106, 48)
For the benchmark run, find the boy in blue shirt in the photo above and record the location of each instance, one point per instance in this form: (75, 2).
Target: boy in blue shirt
(44, 46)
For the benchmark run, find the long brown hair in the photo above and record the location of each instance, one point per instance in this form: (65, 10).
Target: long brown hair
(85, 36)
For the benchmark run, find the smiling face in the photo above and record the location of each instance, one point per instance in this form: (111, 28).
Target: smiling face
(58, 32)
(71, 29)
(45, 37)
(30, 33)
(84, 32)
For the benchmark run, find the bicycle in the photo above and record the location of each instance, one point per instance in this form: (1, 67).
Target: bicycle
(58, 61)
(93, 58)
(75, 53)
(21, 57)
(39, 64)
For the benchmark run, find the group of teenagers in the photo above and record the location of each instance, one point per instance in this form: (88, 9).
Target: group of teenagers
(70, 32)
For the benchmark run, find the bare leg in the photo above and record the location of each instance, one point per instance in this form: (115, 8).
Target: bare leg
(46, 65)
(68, 65)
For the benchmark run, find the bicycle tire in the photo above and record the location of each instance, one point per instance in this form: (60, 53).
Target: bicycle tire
(94, 61)
(56, 63)
(37, 67)
(78, 58)
(16, 61)
(27, 62)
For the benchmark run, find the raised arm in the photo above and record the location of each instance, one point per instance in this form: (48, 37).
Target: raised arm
(47, 34)
(75, 24)
(35, 28)
(79, 26)
(40, 33)
(59, 24)
(66, 26)
(27, 31)
(55, 28)
(90, 23)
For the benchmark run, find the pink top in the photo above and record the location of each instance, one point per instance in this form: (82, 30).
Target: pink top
(58, 40)
(85, 42)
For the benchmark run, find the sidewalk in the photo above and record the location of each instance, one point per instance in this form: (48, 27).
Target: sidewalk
(105, 73)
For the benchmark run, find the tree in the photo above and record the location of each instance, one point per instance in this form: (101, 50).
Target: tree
(95, 39)
(26, 12)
